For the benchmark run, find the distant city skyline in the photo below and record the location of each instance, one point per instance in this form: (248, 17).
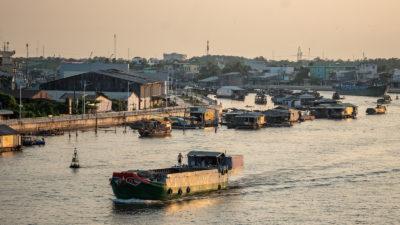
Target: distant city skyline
(332, 29)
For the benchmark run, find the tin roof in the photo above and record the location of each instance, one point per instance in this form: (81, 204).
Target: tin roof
(6, 130)
(205, 154)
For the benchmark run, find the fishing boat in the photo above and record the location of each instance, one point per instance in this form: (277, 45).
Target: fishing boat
(75, 160)
(379, 109)
(361, 89)
(155, 128)
(205, 171)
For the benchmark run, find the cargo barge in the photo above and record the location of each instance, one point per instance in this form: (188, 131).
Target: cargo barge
(205, 171)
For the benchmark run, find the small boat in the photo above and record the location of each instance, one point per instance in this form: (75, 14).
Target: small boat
(205, 171)
(30, 141)
(75, 160)
(183, 123)
(155, 128)
(397, 97)
(386, 99)
(379, 109)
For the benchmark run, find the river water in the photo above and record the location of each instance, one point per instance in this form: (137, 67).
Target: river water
(318, 172)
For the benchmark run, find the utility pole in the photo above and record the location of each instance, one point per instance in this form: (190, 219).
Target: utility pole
(115, 46)
(20, 101)
(26, 61)
(208, 48)
(166, 91)
(127, 98)
(83, 98)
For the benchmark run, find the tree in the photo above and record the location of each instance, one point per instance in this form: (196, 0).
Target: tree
(236, 66)
(209, 70)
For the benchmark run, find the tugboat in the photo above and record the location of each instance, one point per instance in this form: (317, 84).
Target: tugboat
(155, 128)
(75, 160)
(205, 171)
(379, 109)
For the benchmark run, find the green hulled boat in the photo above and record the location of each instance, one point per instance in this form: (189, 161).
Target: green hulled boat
(205, 171)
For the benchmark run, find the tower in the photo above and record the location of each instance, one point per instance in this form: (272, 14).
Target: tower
(115, 47)
(299, 54)
(208, 48)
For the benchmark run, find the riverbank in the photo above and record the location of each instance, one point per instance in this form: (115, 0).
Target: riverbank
(75, 122)
(306, 87)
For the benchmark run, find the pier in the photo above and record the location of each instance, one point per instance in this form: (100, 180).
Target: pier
(74, 122)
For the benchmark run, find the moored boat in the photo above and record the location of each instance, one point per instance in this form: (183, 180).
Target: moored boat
(205, 171)
(155, 128)
(361, 89)
(386, 99)
(379, 109)
(260, 99)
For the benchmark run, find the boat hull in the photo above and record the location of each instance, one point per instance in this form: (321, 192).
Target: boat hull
(175, 186)
(372, 91)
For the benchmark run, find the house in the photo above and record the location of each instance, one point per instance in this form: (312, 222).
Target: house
(5, 114)
(232, 92)
(231, 79)
(142, 91)
(324, 72)
(367, 71)
(396, 78)
(74, 68)
(99, 101)
(10, 139)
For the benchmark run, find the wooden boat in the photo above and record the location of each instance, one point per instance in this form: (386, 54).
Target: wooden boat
(205, 171)
(75, 161)
(155, 128)
(379, 109)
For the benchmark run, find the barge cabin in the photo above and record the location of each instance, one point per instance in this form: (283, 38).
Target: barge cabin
(203, 116)
(251, 120)
(10, 139)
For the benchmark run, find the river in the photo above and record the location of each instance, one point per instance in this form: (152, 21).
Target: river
(316, 172)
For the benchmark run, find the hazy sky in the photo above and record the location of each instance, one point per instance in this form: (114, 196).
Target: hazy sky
(74, 28)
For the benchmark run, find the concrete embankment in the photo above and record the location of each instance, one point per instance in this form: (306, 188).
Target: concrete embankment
(73, 122)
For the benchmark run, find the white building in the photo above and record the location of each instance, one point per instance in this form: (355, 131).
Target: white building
(367, 71)
(190, 68)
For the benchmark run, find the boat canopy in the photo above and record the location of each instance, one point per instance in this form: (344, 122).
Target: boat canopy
(205, 154)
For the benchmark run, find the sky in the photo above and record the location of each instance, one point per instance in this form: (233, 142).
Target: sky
(148, 28)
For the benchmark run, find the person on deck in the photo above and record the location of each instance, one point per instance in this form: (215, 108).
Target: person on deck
(180, 157)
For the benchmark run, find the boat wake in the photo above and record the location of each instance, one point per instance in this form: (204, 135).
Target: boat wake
(135, 201)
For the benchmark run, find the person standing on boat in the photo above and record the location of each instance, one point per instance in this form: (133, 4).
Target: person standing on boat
(180, 157)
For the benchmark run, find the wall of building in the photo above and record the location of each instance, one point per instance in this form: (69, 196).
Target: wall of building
(10, 141)
(104, 104)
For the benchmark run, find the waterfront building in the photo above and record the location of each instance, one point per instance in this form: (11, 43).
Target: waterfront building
(324, 72)
(10, 139)
(144, 91)
(396, 78)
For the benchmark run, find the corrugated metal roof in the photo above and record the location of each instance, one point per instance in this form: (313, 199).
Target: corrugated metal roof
(204, 154)
(6, 130)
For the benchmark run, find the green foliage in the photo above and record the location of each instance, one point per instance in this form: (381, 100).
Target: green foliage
(209, 70)
(118, 105)
(8, 102)
(42, 108)
(302, 74)
(236, 66)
